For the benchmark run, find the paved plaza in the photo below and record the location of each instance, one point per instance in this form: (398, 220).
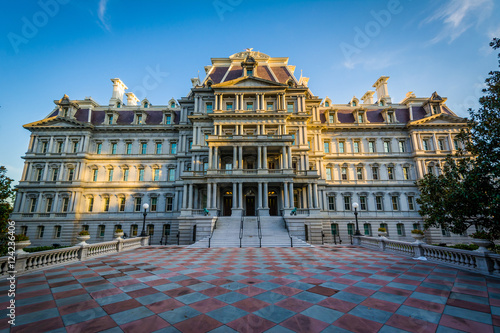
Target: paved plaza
(321, 289)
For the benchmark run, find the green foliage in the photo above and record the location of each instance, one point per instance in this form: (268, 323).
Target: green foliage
(481, 234)
(417, 232)
(42, 248)
(382, 229)
(84, 233)
(6, 197)
(118, 230)
(469, 247)
(467, 192)
(21, 238)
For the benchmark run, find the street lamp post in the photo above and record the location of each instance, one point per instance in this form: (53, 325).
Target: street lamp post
(355, 206)
(143, 233)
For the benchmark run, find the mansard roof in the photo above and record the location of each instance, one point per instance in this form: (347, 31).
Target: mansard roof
(249, 82)
(438, 119)
(57, 122)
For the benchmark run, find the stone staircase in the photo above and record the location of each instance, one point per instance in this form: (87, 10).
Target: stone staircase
(227, 233)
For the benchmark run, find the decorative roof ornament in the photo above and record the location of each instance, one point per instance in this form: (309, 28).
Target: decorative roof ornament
(249, 52)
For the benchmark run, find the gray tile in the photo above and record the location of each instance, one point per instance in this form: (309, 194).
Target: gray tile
(227, 314)
(113, 299)
(377, 315)
(180, 314)
(274, 313)
(482, 317)
(409, 311)
(131, 315)
(36, 316)
(83, 315)
(322, 313)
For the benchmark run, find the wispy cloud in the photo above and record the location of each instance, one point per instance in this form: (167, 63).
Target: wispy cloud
(373, 60)
(457, 16)
(102, 12)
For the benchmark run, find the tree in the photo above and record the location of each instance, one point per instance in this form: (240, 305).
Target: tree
(6, 197)
(467, 192)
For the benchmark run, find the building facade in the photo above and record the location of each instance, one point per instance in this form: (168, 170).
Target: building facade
(250, 139)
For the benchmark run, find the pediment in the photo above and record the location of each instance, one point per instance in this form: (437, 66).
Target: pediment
(248, 82)
(439, 119)
(57, 122)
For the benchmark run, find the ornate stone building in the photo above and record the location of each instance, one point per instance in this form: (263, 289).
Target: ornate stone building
(250, 139)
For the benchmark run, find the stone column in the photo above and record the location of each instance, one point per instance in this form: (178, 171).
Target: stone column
(304, 198)
(190, 198)
(266, 196)
(284, 158)
(184, 197)
(214, 196)
(286, 196)
(315, 195)
(310, 197)
(292, 204)
(235, 198)
(209, 195)
(260, 195)
(290, 157)
(240, 195)
(240, 157)
(265, 157)
(235, 151)
(210, 158)
(259, 157)
(216, 158)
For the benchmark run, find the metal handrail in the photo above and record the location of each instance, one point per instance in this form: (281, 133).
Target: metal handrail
(260, 231)
(288, 230)
(212, 231)
(241, 229)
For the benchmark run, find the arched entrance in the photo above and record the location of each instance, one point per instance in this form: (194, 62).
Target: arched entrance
(250, 203)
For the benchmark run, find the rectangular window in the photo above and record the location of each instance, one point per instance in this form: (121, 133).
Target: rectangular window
(411, 202)
(122, 204)
(106, 204)
(129, 148)
(110, 175)
(331, 119)
(156, 175)
(40, 231)
(171, 175)
(65, 204)
(154, 202)
(139, 119)
(326, 146)
(379, 203)
(166, 230)
(144, 148)
(350, 229)
(190, 144)
(101, 230)
(402, 146)
(290, 107)
(95, 174)
(401, 229)
(270, 106)
(331, 203)
(158, 148)
(387, 146)
(430, 169)
(99, 148)
(39, 174)
(406, 173)
(110, 119)
(456, 144)
(229, 106)
(60, 146)
(395, 204)
(71, 174)
(133, 230)
(356, 146)
(151, 229)
(341, 147)
(328, 173)
(367, 229)
(125, 175)
(138, 204)
(141, 174)
(75, 146)
(90, 206)
(416, 226)
(425, 144)
(375, 173)
(441, 144)
(347, 203)
(168, 119)
(173, 148)
(48, 207)
(343, 171)
(359, 173)
(360, 118)
(44, 147)
(210, 108)
(390, 173)
(362, 202)
(390, 118)
(371, 146)
(32, 205)
(169, 204)
(24, 230)
(249, 106)
(113, 148)
(55, 171)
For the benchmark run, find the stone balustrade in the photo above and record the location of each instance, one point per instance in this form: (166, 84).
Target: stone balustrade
(478, 261)
(29, 262)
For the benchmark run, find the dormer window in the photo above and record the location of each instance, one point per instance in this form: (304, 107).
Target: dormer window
(168, 119)
(110, 119)
(146, 105)
(139, 119)
(390, 118)
(249, 72)
(434, 109)
(172, 105)
(65, 112)
(360, 118)
(118, 105)
(354, 103)
(327, 104)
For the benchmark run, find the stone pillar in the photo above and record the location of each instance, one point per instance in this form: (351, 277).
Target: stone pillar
(210, 158)
(184, 197)
(190, 198)
(286, 196)
(216, 158)
(235, 198)
(284, 159)
(310, 197)
(235, 151)
(260, 195)
(240, 157)
(266, 196)
(290, 157)
(265, 157)
(240, 195)
(196, 192)
(259, 157)
(209, 195)
(304, 198)
(291, 195)
(214, 196)
(315, 195)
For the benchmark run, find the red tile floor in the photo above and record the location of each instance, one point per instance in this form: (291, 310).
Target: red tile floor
(321, 289)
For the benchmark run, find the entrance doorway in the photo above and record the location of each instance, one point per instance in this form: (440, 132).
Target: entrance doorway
(250, 206)
(228, 205)
(273, 206)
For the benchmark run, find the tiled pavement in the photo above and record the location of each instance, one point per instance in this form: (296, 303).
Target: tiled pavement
(322, 289)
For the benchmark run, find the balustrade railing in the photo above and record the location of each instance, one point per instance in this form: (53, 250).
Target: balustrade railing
(478, 261)
(28, 262)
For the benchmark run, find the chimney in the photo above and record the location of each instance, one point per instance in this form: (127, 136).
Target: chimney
(381, 87)
(368, 97)
(131, 99)
(118, 90)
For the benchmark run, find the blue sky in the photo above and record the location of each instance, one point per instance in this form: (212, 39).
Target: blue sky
(53, 47)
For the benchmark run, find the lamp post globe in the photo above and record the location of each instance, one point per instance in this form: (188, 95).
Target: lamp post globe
(355, 206)
(143, 233)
